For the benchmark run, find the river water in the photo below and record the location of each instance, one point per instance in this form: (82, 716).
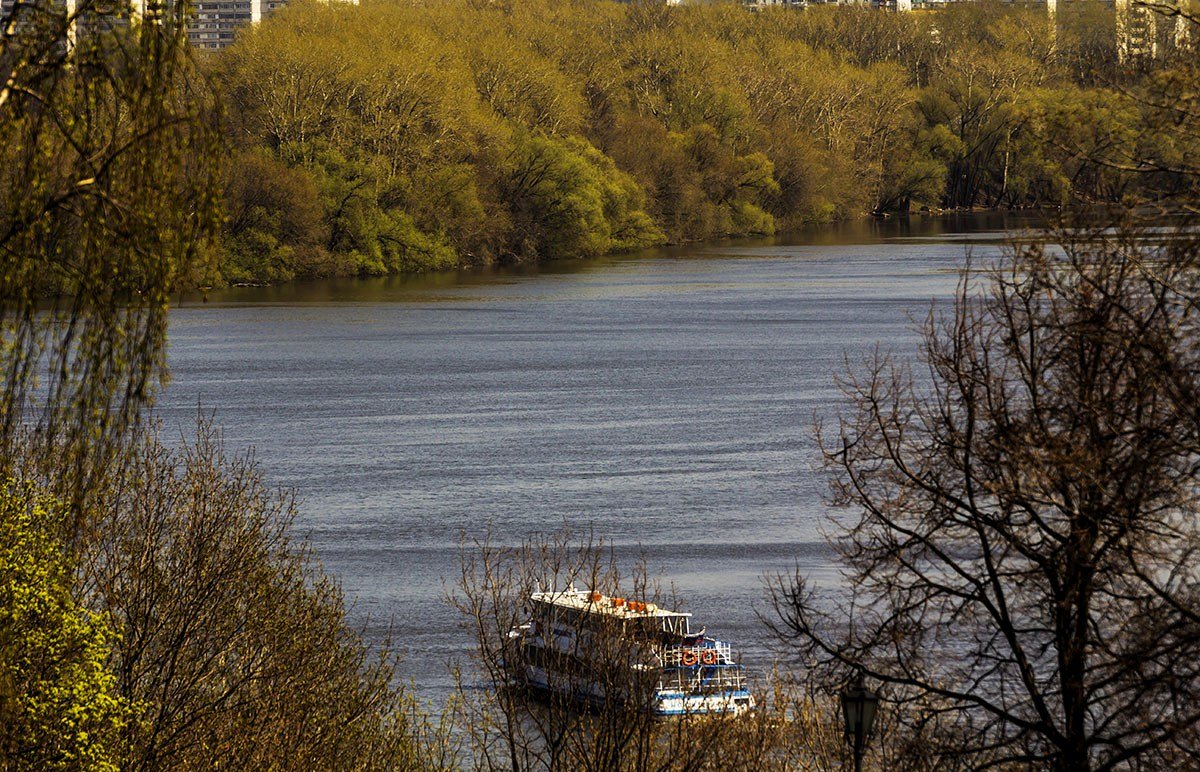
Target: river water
(663, 400)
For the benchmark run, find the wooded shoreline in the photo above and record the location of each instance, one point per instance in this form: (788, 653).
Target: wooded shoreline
(1029, 217)
(391, 138)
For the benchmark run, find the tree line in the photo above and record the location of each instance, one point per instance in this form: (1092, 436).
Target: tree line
(400, 136)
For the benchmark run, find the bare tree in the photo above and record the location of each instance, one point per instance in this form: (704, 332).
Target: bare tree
(234, 645)
(1023, 558)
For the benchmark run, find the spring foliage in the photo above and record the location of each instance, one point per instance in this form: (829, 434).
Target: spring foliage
(400, 136)
(59, 705)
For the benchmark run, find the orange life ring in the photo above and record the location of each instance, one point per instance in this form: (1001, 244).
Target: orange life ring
(709, 657)
(689, 658)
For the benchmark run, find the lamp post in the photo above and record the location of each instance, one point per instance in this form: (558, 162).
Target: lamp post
(858, 710)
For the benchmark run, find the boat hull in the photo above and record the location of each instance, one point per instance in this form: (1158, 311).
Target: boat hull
(664, 703)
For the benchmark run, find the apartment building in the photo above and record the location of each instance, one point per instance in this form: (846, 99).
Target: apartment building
(215, 22)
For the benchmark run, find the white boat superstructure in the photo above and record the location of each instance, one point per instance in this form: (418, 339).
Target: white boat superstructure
(593, 648)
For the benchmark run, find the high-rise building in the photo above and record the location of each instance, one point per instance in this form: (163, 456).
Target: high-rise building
(215, 22)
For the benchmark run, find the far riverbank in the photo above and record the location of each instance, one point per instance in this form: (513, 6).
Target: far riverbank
(456, 134)
(863, 230)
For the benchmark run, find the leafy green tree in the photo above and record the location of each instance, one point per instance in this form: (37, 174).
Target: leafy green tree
(1094, 132)
(975, 98)
(524, 88)
(60, 708)
(1087, 45)
(1167, 157)
(286, 94)
(274, 227)
(865, 38)
(569, 200)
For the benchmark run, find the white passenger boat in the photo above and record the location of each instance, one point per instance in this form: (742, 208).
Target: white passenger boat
(593, 648)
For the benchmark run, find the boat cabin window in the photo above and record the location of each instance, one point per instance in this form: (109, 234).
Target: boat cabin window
(675, 625)
(654, 626)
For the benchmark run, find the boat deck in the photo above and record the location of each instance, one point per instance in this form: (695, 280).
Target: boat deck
(597, 603)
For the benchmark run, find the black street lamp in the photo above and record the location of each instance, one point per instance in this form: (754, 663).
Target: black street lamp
(858, 709)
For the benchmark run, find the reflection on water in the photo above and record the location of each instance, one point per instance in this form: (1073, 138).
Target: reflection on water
(965, 228)
(664, 399)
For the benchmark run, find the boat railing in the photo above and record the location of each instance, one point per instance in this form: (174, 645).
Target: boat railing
(703, 680)
(686, 669)
(674, 656)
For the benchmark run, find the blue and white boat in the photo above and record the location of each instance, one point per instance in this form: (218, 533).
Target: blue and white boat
(593, 648)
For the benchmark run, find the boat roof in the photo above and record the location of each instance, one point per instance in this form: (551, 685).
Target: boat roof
(598, 603)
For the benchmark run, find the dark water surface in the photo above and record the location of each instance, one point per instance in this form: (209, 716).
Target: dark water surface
(664, 400)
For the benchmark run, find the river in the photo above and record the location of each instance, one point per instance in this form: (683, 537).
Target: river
(664, 400)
